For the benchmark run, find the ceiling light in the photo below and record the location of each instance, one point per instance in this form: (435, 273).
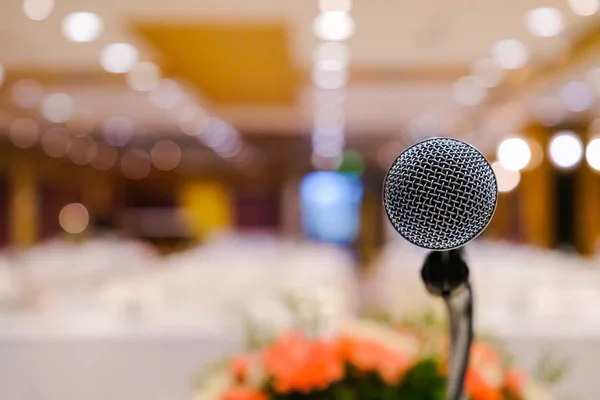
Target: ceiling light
(514, 154)
(544, 21)
(38, 10)
(510, 54)
(565, 149)
(119, 58)
(334, 26)
(82, 27)
(592, 154)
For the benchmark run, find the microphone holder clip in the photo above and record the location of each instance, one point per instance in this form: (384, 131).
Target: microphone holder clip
(446, 275)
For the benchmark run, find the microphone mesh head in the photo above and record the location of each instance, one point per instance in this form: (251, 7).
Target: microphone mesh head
(440, 193)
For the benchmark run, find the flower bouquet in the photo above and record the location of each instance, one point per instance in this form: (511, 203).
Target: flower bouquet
(364, 360)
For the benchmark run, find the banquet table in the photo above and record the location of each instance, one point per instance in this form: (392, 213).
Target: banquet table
(160, 364)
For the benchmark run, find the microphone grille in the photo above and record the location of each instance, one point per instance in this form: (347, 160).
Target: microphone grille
(440, 193)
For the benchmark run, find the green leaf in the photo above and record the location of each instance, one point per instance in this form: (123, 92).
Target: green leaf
(550, 369)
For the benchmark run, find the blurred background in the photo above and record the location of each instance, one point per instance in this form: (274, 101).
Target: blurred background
(170, 167)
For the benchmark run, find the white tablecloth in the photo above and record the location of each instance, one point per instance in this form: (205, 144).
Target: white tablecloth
(146, 368)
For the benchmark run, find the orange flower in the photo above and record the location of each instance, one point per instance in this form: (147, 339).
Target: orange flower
(514, 382)
(370, 356)
(482, 352)
(299, 364)
(393, 366)
(478, 389)
(239, 368)
(243, 393)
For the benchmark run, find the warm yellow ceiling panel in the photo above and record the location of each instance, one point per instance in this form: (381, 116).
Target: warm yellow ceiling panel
(231, 64)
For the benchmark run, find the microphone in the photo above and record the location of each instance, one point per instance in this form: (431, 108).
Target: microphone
(440, 194)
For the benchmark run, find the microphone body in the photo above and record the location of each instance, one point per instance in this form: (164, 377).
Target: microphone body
(440, 194)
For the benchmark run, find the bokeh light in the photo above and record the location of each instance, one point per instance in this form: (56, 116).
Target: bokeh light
(144, 76)
(330, 206)
(167, 94)
(592, 154)
(544, 21)
(82, 150)
(119, 58)
(58, 107)
(537, 154)
(165, 155)
(565, 149)
(74, 218)
(38, 10)
(514, 153)
(507, 180)
(136, 164)
(118, 131)
(510, 54)
(193, 120)
(106, 157)
(329, 78)
(26, 93)
(324, 163)
(331, 56)
(328, 120)
(584, 8)
(334, 26)
(82, 123)
(577, 96)
(24, 132)
(335, 5)
(82, 27)
(328, 145)
(56, 141)
(219, 135)
(2, 74)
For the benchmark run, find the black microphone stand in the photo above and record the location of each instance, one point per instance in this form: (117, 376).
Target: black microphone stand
(446, 275)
